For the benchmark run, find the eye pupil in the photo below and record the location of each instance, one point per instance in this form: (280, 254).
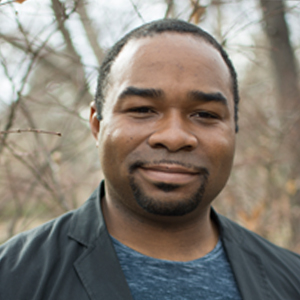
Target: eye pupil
(206, 115)
(140, 110)
(144, 109)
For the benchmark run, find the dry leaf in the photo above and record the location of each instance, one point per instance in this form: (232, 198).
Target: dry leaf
(20, 1)
(291, 187)
(251, 219)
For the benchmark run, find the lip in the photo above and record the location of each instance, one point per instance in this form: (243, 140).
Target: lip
(173, 174)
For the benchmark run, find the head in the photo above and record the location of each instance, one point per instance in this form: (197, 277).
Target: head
(152, 29)
(168, 97)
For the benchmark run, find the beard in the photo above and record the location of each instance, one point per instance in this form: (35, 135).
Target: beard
(159, 207)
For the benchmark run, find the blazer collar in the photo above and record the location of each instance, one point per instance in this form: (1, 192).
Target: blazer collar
(98, 266)
(88, 223)
(246, 264)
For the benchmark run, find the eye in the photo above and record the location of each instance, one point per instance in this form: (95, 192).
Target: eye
(205, 115)
(141, 110)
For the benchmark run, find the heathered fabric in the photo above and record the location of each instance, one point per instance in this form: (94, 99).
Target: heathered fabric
(208, 278)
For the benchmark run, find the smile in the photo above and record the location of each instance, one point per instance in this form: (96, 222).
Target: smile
(174, 174)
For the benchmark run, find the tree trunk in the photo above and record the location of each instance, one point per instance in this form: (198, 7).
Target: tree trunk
(286, 77)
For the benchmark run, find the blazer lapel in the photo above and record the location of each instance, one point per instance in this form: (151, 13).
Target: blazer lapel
(249, 273)
(101, 273)
(97, 266)
(246, 265)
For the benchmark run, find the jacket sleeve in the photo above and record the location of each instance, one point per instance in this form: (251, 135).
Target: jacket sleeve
(38, 264)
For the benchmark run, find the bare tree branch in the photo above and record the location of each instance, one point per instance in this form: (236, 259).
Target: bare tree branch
(197, 11)
(90, 32)
(15, 104)
(170, 8)
(61, 16)
(40, 178)
(30, 130)
(137, 11)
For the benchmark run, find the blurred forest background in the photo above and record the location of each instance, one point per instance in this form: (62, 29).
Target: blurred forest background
(50, 52)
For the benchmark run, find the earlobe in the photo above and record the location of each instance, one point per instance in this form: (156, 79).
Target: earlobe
(94, 122)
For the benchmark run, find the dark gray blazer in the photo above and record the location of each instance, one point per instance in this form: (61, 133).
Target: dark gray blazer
(72, 257)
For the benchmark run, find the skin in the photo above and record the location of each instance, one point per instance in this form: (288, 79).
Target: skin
(174, 135)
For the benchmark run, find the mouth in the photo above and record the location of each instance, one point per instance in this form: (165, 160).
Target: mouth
(168, 173)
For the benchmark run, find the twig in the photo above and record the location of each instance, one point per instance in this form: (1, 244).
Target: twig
(36, 173)
(43, 57)
(90, 31)
(30, 130)
(61, 16)
(170, 6)
(137, 11)
(21, 29)
(15, 104)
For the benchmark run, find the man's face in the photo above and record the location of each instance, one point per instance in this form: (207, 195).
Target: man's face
(167, 137)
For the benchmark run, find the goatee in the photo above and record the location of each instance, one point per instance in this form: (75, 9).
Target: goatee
(168, 208)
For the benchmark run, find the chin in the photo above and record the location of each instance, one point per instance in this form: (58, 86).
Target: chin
(159, 206)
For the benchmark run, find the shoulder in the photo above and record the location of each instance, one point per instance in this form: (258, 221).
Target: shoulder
(27, 259)
(29, 252)
(252, 242)
(259, 263)
(42, 257)
(37, 238)
(74, 227)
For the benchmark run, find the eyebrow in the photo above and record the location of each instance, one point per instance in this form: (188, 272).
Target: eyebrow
(208, 97)
(158, 93)
(141, 92)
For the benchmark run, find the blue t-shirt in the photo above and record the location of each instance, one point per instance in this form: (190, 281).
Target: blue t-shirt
(208, 278)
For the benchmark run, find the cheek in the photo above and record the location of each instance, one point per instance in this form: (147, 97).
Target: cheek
(221, 158)
(224, 151)
(116, 142)
(219, 147)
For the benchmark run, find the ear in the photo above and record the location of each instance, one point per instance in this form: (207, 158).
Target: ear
(94, 122)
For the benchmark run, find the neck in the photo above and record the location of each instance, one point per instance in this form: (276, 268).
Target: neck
(171, 238)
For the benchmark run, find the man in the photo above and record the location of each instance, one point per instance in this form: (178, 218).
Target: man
(164, 119)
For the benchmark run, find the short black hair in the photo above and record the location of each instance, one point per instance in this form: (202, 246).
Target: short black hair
(152, 29)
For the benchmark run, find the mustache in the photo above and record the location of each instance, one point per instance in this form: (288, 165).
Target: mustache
(141, 163)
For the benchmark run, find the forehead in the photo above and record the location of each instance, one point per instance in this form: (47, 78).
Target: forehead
(172, 58)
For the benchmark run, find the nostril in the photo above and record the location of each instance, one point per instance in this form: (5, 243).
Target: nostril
(159, 145)
(188, 148)
(173, 142)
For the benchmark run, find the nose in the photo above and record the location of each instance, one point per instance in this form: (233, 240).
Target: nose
(173, 133)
